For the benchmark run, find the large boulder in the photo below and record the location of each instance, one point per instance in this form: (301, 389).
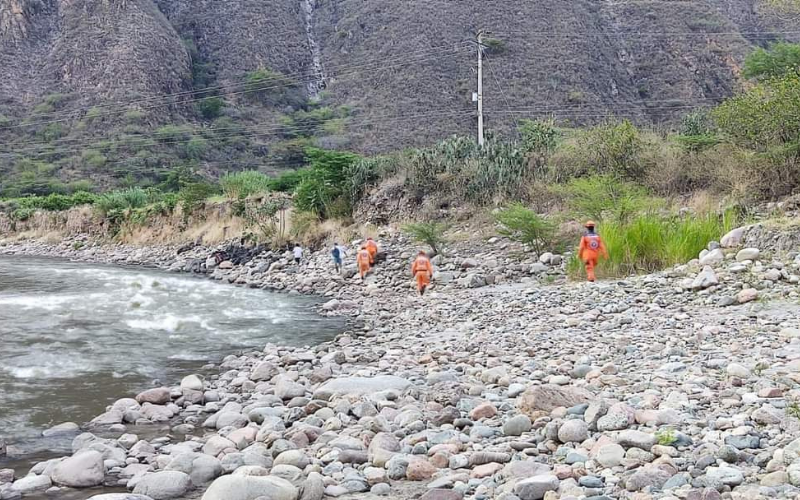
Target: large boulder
(157, 396)
(264, 371)
(545, 398)
(535, 488)
(359, 386)
(120, 496)
(82, 470)
(706, 278)
(734, 237)
(747, 254)
(712, 258)
(163, 485)
(200, 467)
(32, 483)
(250, 488)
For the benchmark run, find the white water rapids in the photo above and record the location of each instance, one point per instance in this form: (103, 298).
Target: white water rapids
(76, 337)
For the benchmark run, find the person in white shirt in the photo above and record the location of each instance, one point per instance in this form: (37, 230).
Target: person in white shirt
(298, 254)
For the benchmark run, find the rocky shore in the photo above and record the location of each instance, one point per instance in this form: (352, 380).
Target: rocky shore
(504, 382)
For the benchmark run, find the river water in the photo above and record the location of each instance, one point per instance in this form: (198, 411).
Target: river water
(76, 337)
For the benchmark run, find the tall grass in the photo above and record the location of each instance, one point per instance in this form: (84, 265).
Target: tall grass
(239, 185)
(650, 241)
(121, 200)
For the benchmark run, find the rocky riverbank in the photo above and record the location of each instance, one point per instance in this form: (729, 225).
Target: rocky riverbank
(504, 382)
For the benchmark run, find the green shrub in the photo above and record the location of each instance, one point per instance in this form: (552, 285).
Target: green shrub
(323, 184)
(287, 181)
(22, 214)
(776, 61)
(526, 226)
(121, 200)
(428, 233)
(312, 194)
(613, 148)
(366, 172)
(172, 133)
(766, 119)
(93, 158)
(240, 185)
(210, 107)
(134, 116)
(52, 131)
(196, 148)
(459, 168)
(272, 88)
(192, 195)
(603, 196)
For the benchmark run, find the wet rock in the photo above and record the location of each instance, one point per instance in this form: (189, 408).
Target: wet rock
(31, 484)
(156, 396)
(62, 429)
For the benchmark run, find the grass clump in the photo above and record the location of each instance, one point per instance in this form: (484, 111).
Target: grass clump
(121, 200)
(666, 437)
(240, 185)
(428, 233)
(652, 241)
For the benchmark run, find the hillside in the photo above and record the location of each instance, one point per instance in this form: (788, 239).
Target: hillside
(122, 91)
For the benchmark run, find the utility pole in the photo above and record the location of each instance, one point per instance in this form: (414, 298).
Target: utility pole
(480, 88)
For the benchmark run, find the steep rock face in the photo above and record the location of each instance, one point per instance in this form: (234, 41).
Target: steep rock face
(582, 59)
(238, 36)
(94, 50)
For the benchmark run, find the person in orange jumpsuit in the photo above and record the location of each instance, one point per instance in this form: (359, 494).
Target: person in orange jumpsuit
(422, 270)
(372, 248)
(362, 259)
(591, 249)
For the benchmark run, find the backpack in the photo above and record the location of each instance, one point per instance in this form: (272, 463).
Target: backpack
(335, 252)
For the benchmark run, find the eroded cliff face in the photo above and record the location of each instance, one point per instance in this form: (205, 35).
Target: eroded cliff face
(95, 50)
(404, 67)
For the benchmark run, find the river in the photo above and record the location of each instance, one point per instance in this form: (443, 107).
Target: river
(75, 337)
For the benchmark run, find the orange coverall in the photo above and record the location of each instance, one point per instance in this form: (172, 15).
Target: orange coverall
(372, 248)
(591, 248)
(362, 259)
(422, 270)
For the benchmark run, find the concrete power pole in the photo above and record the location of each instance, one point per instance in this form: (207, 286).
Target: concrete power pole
(480, 88)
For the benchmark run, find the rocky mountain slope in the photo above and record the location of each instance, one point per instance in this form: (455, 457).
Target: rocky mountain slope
(403, 70)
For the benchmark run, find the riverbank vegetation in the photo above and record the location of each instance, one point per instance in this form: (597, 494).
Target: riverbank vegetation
(741, 152)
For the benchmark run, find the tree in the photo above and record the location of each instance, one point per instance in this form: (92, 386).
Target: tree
(776, 61)
(764, 117)
(765, 120)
